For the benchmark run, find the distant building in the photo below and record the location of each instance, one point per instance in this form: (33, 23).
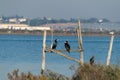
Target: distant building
(13, 26)
(22, 19)
(100, 20)
(22, 27)
(13, 20)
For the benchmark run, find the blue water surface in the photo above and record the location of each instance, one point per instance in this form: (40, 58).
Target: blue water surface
(24, 52)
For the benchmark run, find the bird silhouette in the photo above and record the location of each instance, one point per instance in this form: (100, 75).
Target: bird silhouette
(54, 44)
(67, 46)
(92, 60)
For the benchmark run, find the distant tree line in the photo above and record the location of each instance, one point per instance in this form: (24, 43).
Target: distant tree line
(45, 20)
(39, 21)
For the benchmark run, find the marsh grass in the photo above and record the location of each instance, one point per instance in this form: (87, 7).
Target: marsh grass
(48, 75)
(97, 72)
(86, 72)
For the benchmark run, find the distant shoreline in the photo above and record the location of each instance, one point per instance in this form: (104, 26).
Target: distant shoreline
(57, 33)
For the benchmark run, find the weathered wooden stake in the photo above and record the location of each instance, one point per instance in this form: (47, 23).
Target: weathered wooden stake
(110, 48)
(43, 52)
(80, 43)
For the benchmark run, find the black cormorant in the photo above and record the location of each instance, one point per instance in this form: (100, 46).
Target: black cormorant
(54, 44)
(67, 46)
(92, 60)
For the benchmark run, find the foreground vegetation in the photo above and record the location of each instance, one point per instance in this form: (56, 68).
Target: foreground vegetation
(86, 72)
(97, 72)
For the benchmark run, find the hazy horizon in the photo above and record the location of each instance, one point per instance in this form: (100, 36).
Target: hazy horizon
(108, 9)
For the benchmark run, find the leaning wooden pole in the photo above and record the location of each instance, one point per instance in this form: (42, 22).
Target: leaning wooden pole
(62, 54)
(43, 52)
(80, 43)
(110, 48)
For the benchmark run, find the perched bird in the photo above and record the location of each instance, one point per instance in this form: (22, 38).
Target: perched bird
(67, 46)
(54, 45)
(92, 60)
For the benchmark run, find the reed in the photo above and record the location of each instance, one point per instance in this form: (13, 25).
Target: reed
(48, 75)
(97, 72)
(86, 72)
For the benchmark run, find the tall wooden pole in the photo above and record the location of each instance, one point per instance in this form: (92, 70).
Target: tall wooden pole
(80, 42)
(110, 48)
(43, 52)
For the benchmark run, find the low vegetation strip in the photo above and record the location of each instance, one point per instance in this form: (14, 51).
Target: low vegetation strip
(86, 72)
(97, 72)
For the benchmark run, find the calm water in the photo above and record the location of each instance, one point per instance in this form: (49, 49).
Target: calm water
(25, 52)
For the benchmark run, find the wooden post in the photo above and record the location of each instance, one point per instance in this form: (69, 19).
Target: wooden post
(110, 48)
(80, 42)
(43, 52)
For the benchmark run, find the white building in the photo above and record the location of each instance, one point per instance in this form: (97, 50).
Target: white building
(22, 27)
(13, 26)
(22, 19)
(13, 20)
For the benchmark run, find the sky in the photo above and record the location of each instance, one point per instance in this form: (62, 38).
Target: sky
(84, 9)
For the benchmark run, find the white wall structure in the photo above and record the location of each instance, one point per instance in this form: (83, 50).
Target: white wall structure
(22, 27)
(22, 19)
(13, 26)
(13, 20)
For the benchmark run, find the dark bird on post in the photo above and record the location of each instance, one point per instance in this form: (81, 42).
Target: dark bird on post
(67, 46)
(92, 60)
(54, 44)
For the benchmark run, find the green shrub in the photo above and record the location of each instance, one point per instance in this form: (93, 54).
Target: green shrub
(97, 72)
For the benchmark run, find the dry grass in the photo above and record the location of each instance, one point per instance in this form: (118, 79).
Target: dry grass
(86, 72)
(97, 72)
(48, 75)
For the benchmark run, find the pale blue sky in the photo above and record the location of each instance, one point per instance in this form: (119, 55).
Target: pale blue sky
(109, 9)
